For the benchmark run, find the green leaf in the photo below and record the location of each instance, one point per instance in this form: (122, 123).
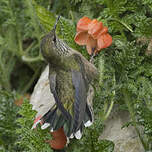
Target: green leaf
(28, 139)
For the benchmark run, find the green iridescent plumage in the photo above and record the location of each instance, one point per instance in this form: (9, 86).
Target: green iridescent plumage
(70, 75)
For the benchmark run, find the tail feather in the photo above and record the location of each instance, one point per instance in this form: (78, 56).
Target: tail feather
(78, 134)
(68, 128)
(57, 120)
(88, 120)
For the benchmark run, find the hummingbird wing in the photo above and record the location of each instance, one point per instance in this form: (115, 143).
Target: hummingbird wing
(70, 109)
(90, 70)
(80, 99)
(80, 80)
(69, 88)
(58, 116)
(52, 78)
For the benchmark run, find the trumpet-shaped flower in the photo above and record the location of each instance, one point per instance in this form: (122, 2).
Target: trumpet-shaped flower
(93, 34)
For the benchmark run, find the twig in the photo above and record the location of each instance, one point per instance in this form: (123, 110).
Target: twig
(31, 81)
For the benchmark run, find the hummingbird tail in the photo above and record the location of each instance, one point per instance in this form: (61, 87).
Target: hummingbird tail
(55, 120)
(88, 120)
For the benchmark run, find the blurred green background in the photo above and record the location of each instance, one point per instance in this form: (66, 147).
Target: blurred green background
(125, 67)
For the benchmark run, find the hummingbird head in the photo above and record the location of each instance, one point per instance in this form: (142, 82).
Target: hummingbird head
(52, 48)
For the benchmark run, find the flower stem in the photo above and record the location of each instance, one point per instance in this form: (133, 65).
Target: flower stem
(30, 59)
(124, 24)
(109, 110)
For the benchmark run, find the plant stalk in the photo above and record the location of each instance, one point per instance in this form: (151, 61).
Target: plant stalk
(127, 99)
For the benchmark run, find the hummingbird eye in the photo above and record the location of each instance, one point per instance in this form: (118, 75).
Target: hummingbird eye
(54, 39)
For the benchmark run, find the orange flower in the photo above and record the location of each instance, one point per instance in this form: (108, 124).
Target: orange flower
(59, 139)
(93, 34)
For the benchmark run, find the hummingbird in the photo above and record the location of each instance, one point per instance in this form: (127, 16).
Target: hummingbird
(70, 79)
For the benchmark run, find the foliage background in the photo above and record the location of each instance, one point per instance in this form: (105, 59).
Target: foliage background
(125, 67)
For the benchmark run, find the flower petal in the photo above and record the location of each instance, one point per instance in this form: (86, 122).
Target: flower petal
(104, 41)
(92, 24)
(91, 45)
(103, 31)
(83, 23)
(95, 29)
(81, 38)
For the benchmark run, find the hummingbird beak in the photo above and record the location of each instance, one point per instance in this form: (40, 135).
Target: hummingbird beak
(56, 23)
(54, 28)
